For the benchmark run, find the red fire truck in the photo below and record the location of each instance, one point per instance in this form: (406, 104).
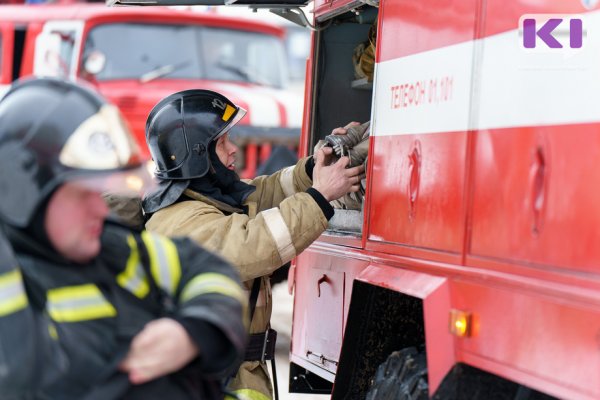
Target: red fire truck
(136, 56)
(473, 269)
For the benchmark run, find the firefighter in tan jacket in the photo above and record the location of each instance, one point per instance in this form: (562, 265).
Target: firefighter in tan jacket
(258, 225)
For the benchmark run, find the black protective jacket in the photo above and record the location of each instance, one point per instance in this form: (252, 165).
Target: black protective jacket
(65, 327)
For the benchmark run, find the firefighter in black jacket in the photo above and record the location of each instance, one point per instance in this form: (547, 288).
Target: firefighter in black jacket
(90, 309)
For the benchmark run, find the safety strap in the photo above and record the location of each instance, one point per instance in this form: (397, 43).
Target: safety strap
(275, 389)
(254, 297)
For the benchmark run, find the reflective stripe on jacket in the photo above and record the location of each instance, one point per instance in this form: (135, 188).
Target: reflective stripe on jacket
(87, 312)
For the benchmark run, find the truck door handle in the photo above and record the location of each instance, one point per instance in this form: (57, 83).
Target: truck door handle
(539, 178)
(322, 279)
(414, 169)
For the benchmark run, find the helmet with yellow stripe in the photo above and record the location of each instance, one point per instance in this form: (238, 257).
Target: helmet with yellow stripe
(180, 128)
(53, 131)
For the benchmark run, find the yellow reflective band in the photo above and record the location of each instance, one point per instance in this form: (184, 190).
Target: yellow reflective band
(228, 112)
(133, 277)
(213, 283)
(249, 394)
(12, 293)
(52, 330)
(78, 303)
(164, 261)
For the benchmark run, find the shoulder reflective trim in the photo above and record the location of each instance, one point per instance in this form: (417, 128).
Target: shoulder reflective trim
(52, 330)
(286, 180)
(211, 282)
(249, 394)
(78, 303)
(164, 261)
(12, 293)
(133, 278)
(281, 234)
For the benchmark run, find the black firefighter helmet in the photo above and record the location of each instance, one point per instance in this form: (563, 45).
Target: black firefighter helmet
(53, 131)
(180, 128)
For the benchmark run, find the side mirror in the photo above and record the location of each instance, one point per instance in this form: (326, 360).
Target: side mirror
(94, 63)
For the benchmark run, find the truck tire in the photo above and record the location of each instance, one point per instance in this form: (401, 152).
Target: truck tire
(403, 376)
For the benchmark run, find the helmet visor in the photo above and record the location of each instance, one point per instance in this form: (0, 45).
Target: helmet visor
(236, 118)
(131, 182)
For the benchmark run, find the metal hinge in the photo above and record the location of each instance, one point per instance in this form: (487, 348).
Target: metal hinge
(320, 358)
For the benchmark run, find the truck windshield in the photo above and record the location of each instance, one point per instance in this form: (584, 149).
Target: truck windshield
(153, 51)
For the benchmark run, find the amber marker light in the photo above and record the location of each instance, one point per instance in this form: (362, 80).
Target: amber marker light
(460, 323)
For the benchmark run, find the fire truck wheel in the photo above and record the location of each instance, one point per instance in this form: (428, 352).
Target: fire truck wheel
(403, 376)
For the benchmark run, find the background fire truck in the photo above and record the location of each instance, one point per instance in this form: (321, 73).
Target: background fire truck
(136, 56)
(473, 268)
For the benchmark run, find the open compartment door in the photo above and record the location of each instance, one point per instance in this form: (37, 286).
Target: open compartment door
(392, 309)
(434, 291)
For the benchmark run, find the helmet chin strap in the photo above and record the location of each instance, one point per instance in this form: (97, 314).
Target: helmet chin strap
(225, 177)
(220, 183)
(211, 168)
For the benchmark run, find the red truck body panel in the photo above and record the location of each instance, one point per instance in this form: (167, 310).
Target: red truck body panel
(482, 182)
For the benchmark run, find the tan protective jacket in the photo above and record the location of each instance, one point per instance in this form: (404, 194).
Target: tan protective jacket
(282, 221)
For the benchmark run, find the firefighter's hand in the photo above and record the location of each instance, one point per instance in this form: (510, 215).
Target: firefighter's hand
(344, 130)
(335, 180)
(162, 347)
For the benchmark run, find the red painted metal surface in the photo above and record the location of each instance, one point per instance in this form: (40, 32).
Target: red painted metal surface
(504, 211)
(6, 52)
(251, 160)
(33, 30)
(322, 292)
(534, 200)
(419, 196)
(417, 26)
(99, 13)
(539, 341)
(265, 152)
(306, 112)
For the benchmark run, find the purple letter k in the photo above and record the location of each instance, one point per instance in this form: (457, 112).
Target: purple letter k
(545, 33)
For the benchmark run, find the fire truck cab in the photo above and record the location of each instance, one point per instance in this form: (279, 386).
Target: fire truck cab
(473, 268)
(136, 56)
